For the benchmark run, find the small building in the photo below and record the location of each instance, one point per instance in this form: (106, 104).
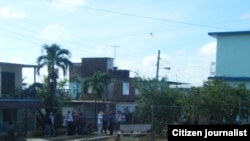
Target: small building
(118, 92)
(232, 57)
(14, 107)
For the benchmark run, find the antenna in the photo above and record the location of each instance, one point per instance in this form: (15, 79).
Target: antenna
(115, 53)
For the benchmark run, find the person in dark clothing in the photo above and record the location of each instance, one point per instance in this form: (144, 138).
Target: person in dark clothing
(111, 122)
(52, 125)
(47, 129)
(80, 122)
(104, 124)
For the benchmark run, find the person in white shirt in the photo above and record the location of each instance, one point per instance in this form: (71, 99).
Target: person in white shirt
(118, 119)
(70, 123)
(99, 122)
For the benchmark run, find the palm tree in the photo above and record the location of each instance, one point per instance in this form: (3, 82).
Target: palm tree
(98, 82)
(54, 58)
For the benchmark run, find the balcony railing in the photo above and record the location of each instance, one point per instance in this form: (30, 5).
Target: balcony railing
(68, 94)
(88, 97)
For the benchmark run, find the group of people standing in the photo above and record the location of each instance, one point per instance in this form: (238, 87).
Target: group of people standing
(77, 124)
(74, 124)
(108, 122)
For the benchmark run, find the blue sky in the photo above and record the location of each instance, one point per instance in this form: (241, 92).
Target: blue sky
(131, 31)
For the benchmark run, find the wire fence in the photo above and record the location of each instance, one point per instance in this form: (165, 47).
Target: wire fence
(157, 116)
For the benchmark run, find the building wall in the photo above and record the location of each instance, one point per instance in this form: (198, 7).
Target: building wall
(92, 65)
(18, 75)
(75, 71)
(114, 90)
(233, 55)
(119, 96)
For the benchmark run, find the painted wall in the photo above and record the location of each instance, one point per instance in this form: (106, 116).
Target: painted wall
(233, 55)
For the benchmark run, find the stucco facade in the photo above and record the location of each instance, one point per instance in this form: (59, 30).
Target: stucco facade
(232, 56)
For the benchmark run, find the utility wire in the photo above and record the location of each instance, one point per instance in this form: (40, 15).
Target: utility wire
(141, 16)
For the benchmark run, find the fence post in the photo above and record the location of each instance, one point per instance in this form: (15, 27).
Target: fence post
(152, 123)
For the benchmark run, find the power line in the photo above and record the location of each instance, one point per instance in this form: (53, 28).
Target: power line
(140, 16)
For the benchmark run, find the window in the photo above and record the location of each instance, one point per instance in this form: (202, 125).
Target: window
(125, 88)
(137, 92)
(89, 90)
(8, 82)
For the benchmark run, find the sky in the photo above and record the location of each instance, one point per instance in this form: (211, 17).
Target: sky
(133, 32)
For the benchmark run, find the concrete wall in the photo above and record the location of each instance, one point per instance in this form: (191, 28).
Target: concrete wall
(128, 128)
(232, 58)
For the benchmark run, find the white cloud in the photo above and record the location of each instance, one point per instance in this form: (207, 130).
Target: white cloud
(194, 73)
(180, 52)
(190, 72)
(208, 51)
(54, 33)
(29, 77)
(149, 65)
(69, 5)
(149, 60)
(245, 16)
(10, 12)
(1, 41)
(102, 50)
(16, 60)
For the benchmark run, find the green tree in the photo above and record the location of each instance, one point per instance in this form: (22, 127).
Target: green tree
(191, 103)
(158, 103)
(97, 83)
(217, 102)
(54, 58)
(42, 92)
(31, 91)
